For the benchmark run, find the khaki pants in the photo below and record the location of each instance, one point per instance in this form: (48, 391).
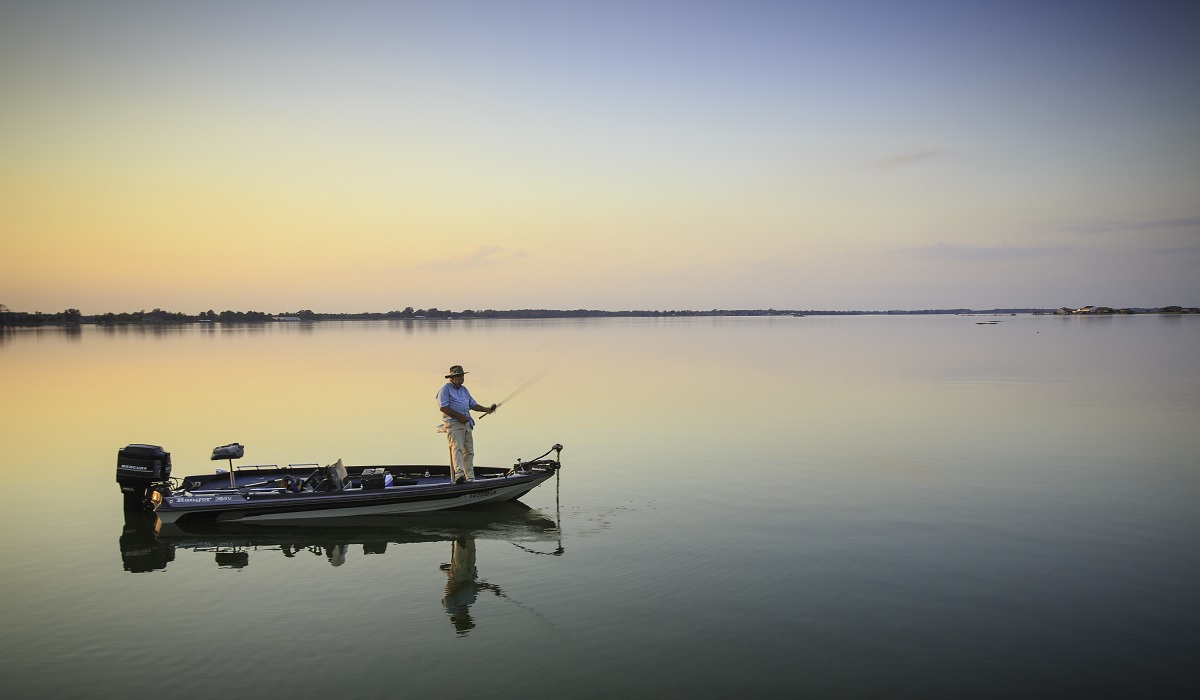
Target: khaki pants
(462, 450)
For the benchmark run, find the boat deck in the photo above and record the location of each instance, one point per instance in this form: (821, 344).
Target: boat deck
(272, 478)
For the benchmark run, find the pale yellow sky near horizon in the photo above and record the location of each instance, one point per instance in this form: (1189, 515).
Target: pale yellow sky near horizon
(377, 156)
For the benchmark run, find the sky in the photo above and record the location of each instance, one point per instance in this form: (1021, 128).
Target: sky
(371, 156)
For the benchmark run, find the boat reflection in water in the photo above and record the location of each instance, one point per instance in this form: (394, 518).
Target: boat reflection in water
(147, 544)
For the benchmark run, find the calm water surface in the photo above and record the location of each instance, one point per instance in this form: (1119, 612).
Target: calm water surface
(920, 506)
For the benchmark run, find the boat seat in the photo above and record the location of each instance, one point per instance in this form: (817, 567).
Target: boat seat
(332, 477)
(337, 475)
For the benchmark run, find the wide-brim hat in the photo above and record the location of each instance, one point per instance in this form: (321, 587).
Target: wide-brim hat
(456, 371)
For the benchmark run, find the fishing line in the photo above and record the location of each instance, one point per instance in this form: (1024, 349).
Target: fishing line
(537, 377)
(509, 599)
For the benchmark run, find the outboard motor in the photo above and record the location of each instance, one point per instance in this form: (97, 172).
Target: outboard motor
(139, 469)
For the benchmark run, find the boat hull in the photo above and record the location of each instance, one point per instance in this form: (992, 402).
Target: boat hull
(278, 506)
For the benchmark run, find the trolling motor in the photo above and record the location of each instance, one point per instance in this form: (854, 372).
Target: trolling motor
(539, 463)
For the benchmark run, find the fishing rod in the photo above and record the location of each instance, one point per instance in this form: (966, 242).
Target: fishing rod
(537, 377)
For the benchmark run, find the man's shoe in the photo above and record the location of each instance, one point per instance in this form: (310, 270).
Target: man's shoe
(461, 480)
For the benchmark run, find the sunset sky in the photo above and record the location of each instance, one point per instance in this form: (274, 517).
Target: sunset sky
(368, 156)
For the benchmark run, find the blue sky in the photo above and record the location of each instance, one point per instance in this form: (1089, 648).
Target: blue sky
(669, 155)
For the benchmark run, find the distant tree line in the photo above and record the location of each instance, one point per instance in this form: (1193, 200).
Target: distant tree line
(37, 318)
(159, 316)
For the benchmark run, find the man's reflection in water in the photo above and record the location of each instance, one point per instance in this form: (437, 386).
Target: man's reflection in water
(461, 584)
(336, 554)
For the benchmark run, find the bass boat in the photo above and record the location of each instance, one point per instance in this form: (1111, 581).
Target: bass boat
(265, 494)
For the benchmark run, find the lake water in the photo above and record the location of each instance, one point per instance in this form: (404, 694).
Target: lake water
(875, 506)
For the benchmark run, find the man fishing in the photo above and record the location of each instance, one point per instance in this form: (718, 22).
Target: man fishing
(456, 405)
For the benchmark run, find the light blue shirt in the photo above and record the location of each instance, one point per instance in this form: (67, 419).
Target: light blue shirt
(456, 399)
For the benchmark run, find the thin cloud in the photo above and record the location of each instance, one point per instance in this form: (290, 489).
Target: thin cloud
(944, 251)
(1189, 224)
(483, 256)
(903, 159)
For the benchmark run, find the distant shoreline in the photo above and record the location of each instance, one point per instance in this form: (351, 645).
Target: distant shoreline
(14, 319)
